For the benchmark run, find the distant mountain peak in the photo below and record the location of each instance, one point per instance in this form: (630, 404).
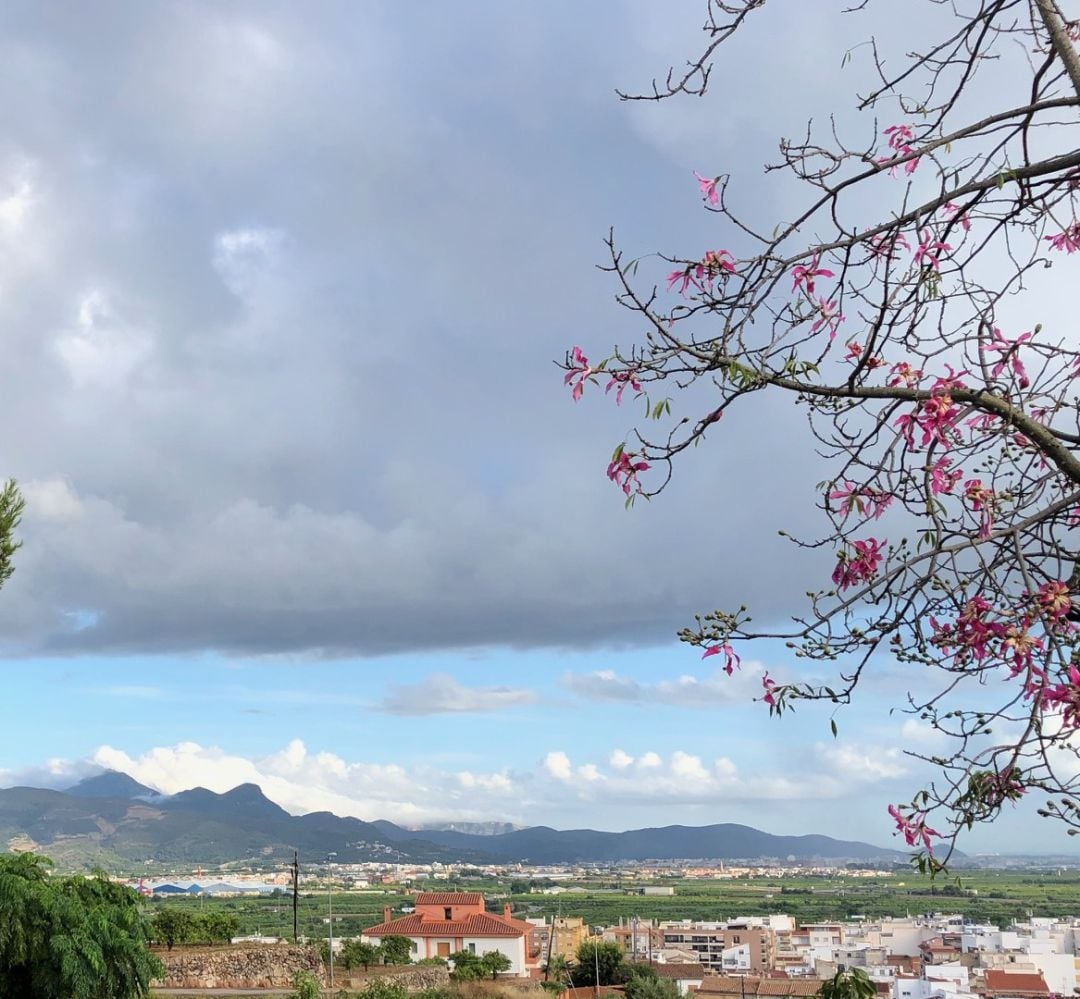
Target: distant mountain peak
(112, 784)
(245, 801)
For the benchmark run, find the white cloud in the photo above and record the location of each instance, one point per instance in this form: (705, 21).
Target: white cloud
(101, 350)
(684, 691)
(557, 765)
(302, 780)
(620, 759)
(17, 198)
(52, 499)
(242, 257)
(441, 693)
(861, 764)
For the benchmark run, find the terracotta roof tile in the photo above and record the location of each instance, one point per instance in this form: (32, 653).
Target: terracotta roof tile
(449, 898)
(1015, 982)
(736, 986)
(677, 971)
(474, 925)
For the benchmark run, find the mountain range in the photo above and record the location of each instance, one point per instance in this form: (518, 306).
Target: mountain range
(113, 821)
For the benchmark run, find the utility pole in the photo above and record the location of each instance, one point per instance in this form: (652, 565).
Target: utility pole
(295, 893)
(330, 900)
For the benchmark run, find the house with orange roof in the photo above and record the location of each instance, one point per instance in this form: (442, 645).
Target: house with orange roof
(445, 923)
(1001, 984)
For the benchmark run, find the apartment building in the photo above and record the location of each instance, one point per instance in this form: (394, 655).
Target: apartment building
(724, 948)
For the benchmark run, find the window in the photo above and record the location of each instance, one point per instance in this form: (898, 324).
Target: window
(448, 913)
(472, 948)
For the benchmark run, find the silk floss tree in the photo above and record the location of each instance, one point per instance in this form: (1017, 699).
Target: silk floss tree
(934, 412)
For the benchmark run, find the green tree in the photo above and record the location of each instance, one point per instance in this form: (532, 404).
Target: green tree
(359, 954)
(599, 959)
(384, 990)
(644, 987)
(306, 986)
(493, 962)
(173, 925)
(853, 984)
(217, 927)
(396, 949)
(466, 966)
(71, 937)
(650, 987)
(11, 508)
(557, 969)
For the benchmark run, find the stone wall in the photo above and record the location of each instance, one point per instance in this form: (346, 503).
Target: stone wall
(247, 966)
(415, 977)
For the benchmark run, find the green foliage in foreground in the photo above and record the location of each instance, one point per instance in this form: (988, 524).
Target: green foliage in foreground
(173, 925)
(71, 937)
(853, 984)
(11, 508)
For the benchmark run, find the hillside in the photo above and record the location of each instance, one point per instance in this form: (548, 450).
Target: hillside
(113, 820)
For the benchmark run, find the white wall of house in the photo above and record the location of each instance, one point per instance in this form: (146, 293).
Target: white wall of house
(1059, 971)
(736, 960)
(512, 947)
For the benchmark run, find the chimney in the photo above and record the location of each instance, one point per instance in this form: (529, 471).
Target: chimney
(386, 914)
(508, 913)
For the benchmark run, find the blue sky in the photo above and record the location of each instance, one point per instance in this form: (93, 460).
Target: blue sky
(307, 501)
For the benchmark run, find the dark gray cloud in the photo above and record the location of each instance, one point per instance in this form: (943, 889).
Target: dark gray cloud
(280, 291)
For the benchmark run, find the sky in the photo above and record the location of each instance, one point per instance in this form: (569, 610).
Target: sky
(308, 504)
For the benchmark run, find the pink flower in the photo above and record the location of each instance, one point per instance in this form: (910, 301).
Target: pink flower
(970, 637)
(578, 374)
(941, 480)
(731, 660)
(622, 379)
(1067, 240)
(1009, 355)
(935, 418)
(708, 188)
(904, 374)
(1067, 696)
(864, 499)
(854, 354)
(769, 686)
(1020, 646)
(914, 828)
(949, 210)
(718, 262)
(860, 565)
(1053, 599)
(900, 138)
(982, 500)
(829, 318)
(805, 275)
(624, 472)
(984, 422)
(715, 263)
(929, 250)
(883, 245)
(683, 278)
